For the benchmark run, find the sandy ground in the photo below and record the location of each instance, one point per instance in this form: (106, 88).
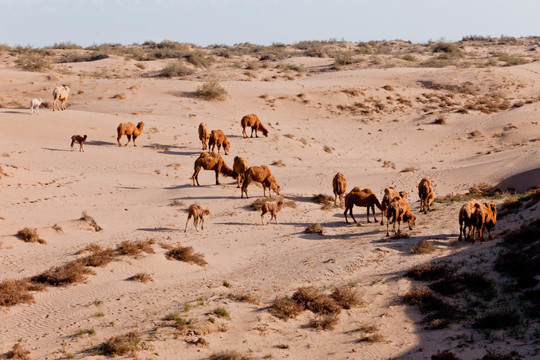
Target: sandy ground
(129, 192)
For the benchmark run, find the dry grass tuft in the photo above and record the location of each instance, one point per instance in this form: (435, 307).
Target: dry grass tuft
(441, 120)
(278, 163)
(98, 257)
(315, 229)
(90, 220)
(257, 204)
(409, 169)
(423, 247)
(186, 254)
(229, 355)
(427, 272)
(18, 352)
(498, 319)
(71, 273)
(324, 322)
(30, 235)
(13, 292)
(127, 344)
(121, 96)
(347, 297)
(212, 90)
(285, 308)
(134, 248)
(326, 201)
(314, 300)
(141, 277)
(57, 228)
(444, 355)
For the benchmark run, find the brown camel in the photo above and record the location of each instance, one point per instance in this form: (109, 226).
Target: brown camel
(425, 192)
(339, 185)
(211, 161)
(389, 194)
(240, 166)
(204, 135)
(129, 130)
(255, 173)
(466, 219)
(271, 184)
(361, 197)
(491, 219)
(60, 94)
(253, 121)
(197, 212)
(272, 208)
(399, 211)
(80, 139)
(218, 138)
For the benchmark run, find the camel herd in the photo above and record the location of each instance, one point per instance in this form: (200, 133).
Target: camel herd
(474, 217)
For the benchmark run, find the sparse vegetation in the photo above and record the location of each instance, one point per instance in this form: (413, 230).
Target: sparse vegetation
(127, 344)
(176, 69)
(18, 353)
(229, 355)
(315, 229)
(212, 90)
(423, 247)
(186, 254)
(90, 220)
(30, 235)
(141, 277)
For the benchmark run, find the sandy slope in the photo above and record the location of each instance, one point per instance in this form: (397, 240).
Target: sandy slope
(129, 191)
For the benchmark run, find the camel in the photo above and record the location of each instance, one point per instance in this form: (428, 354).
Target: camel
(218, 137)
(203, 135)
(389, 194)
(361, 197)
(272, 208)
(271, 184)
(211, 161)
(80, 139)
(478, 221)
(399, 211)
(240, 166)
(129, 130)
(197, 212)
(425, 192)
(253, 121)
(255, 173)
(339, 185)
(60, 93)
(491, 219)
(466, 219)
(34, 105)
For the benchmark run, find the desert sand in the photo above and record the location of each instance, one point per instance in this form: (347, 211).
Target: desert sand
(317, 127)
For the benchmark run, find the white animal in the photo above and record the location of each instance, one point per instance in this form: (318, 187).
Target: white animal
(34, 105)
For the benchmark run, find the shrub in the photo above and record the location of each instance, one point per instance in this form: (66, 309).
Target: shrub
(90, 220)
(285, 308)
(186, 254)
(141, 277)
(221, 312)
(72, 272)
(444, 355)
(34, 62)
(134, 248)
(30, 235)
(176, 69)
(324, 322)
(423, 247)
(498, 319)
(18, 352)
(449, 49)
(347, 297)
(229, 355)
(312, 299)
(212, 90)
(127, 344)
(98, 258)
(427, 272)
(13, 292)
(315, 229)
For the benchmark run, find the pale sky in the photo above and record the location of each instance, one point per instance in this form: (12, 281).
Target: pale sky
(204, 22)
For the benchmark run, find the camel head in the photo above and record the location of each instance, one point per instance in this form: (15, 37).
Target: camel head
(276, 189)
(140, 125)
(493, 208)
(206, 212)
(85, 137)
(226, 145)
(403, 194)
(410, 218)
(265, 132)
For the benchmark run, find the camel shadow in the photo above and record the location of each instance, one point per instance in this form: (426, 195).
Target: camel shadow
(188, 153)
(406, 240)
(300, 198)
(158, 229)
(182, 186)
(100, 143)
(16, 112)
(52, 149)
(207, 197)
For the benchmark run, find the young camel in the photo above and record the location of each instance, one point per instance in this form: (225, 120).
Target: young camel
(218, 137)
(60, 94)
(197, 212)
(34, 105)
(271, 184)
(240, 166)
(339, 185)
(361, 197)
(273, 209)
(255, 173)
(211, 161)
(129, 130)
(399, 211)
(203, 135)
(80, 139)
(253, 121)
(425, 193)
(466, 219)
(491, 219)
(389, 194)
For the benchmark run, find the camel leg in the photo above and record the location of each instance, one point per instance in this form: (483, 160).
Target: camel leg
(460, 231)
(262, 215)
(118, 140)
(195, 176)
(275, 218)
(335, 199)
(373, 211)
(187, 222)
(129, 139)
(345, 214)
(367, 208)
(134, 137)
(202, 223)
(196, 222)
(81, 147)
(387, 226)
(217, 177)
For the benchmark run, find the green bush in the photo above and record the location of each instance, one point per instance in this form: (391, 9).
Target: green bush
(176, 69)
(212, 90)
